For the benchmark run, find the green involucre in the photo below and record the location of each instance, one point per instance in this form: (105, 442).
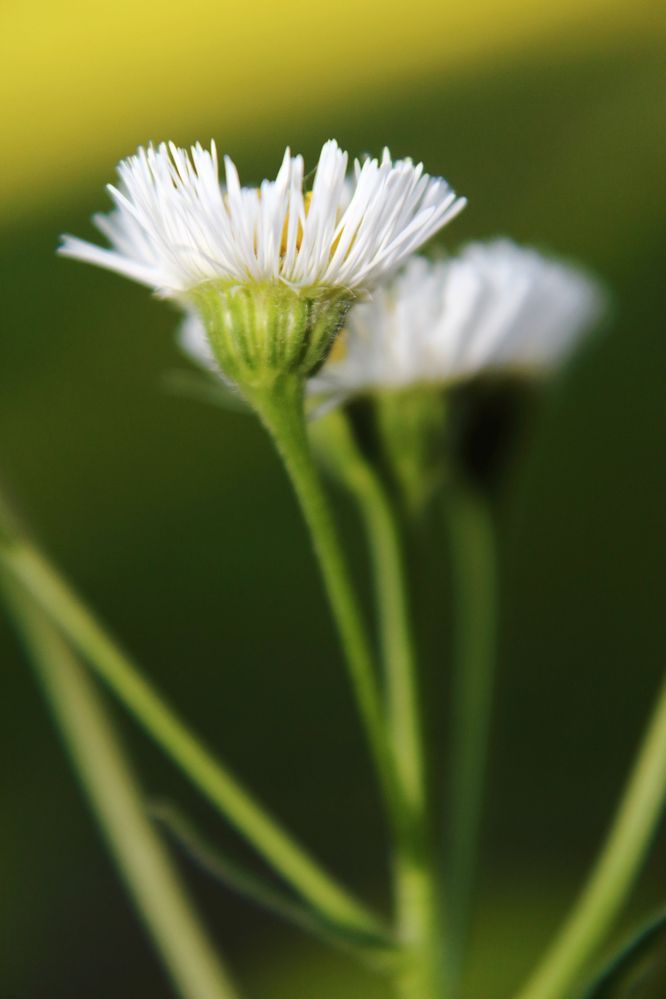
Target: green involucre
(261, 332)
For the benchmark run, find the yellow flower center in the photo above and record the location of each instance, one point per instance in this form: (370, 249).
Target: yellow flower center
(307, 198)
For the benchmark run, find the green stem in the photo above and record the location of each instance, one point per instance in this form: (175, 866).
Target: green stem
(281, 411)
(28, 567)
(159, 895)
(614, 871)
(376, 953)
(472, 545)
(419, 921)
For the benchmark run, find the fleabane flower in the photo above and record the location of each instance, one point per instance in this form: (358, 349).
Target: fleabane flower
(272, 270)
(495, 307)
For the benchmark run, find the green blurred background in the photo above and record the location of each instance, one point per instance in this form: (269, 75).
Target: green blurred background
(176, 520)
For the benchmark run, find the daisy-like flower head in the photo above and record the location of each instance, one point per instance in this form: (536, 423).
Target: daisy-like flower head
(271, 269)
(496, 307)
(175, 226)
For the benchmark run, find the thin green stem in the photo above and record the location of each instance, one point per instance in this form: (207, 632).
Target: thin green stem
(472, 545)
(395, 629)
(418, 916)
(160, 896)
(614, 872)
(378, 954)
(28, 567)
(413, 863)
(281, 411)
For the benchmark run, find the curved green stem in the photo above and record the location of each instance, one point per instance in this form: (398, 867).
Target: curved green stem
(29, 568)
(376, 953)
(613, 873)
(417, 901)
(106, 776)
(472, 545)
(281, 411)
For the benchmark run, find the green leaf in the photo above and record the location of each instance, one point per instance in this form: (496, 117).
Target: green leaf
(374, 949)
(630, 962)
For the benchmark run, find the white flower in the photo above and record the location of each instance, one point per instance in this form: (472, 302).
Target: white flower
(175, 226)
(494, 307)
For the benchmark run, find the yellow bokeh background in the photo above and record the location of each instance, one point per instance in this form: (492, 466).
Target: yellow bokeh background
(83, 82)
